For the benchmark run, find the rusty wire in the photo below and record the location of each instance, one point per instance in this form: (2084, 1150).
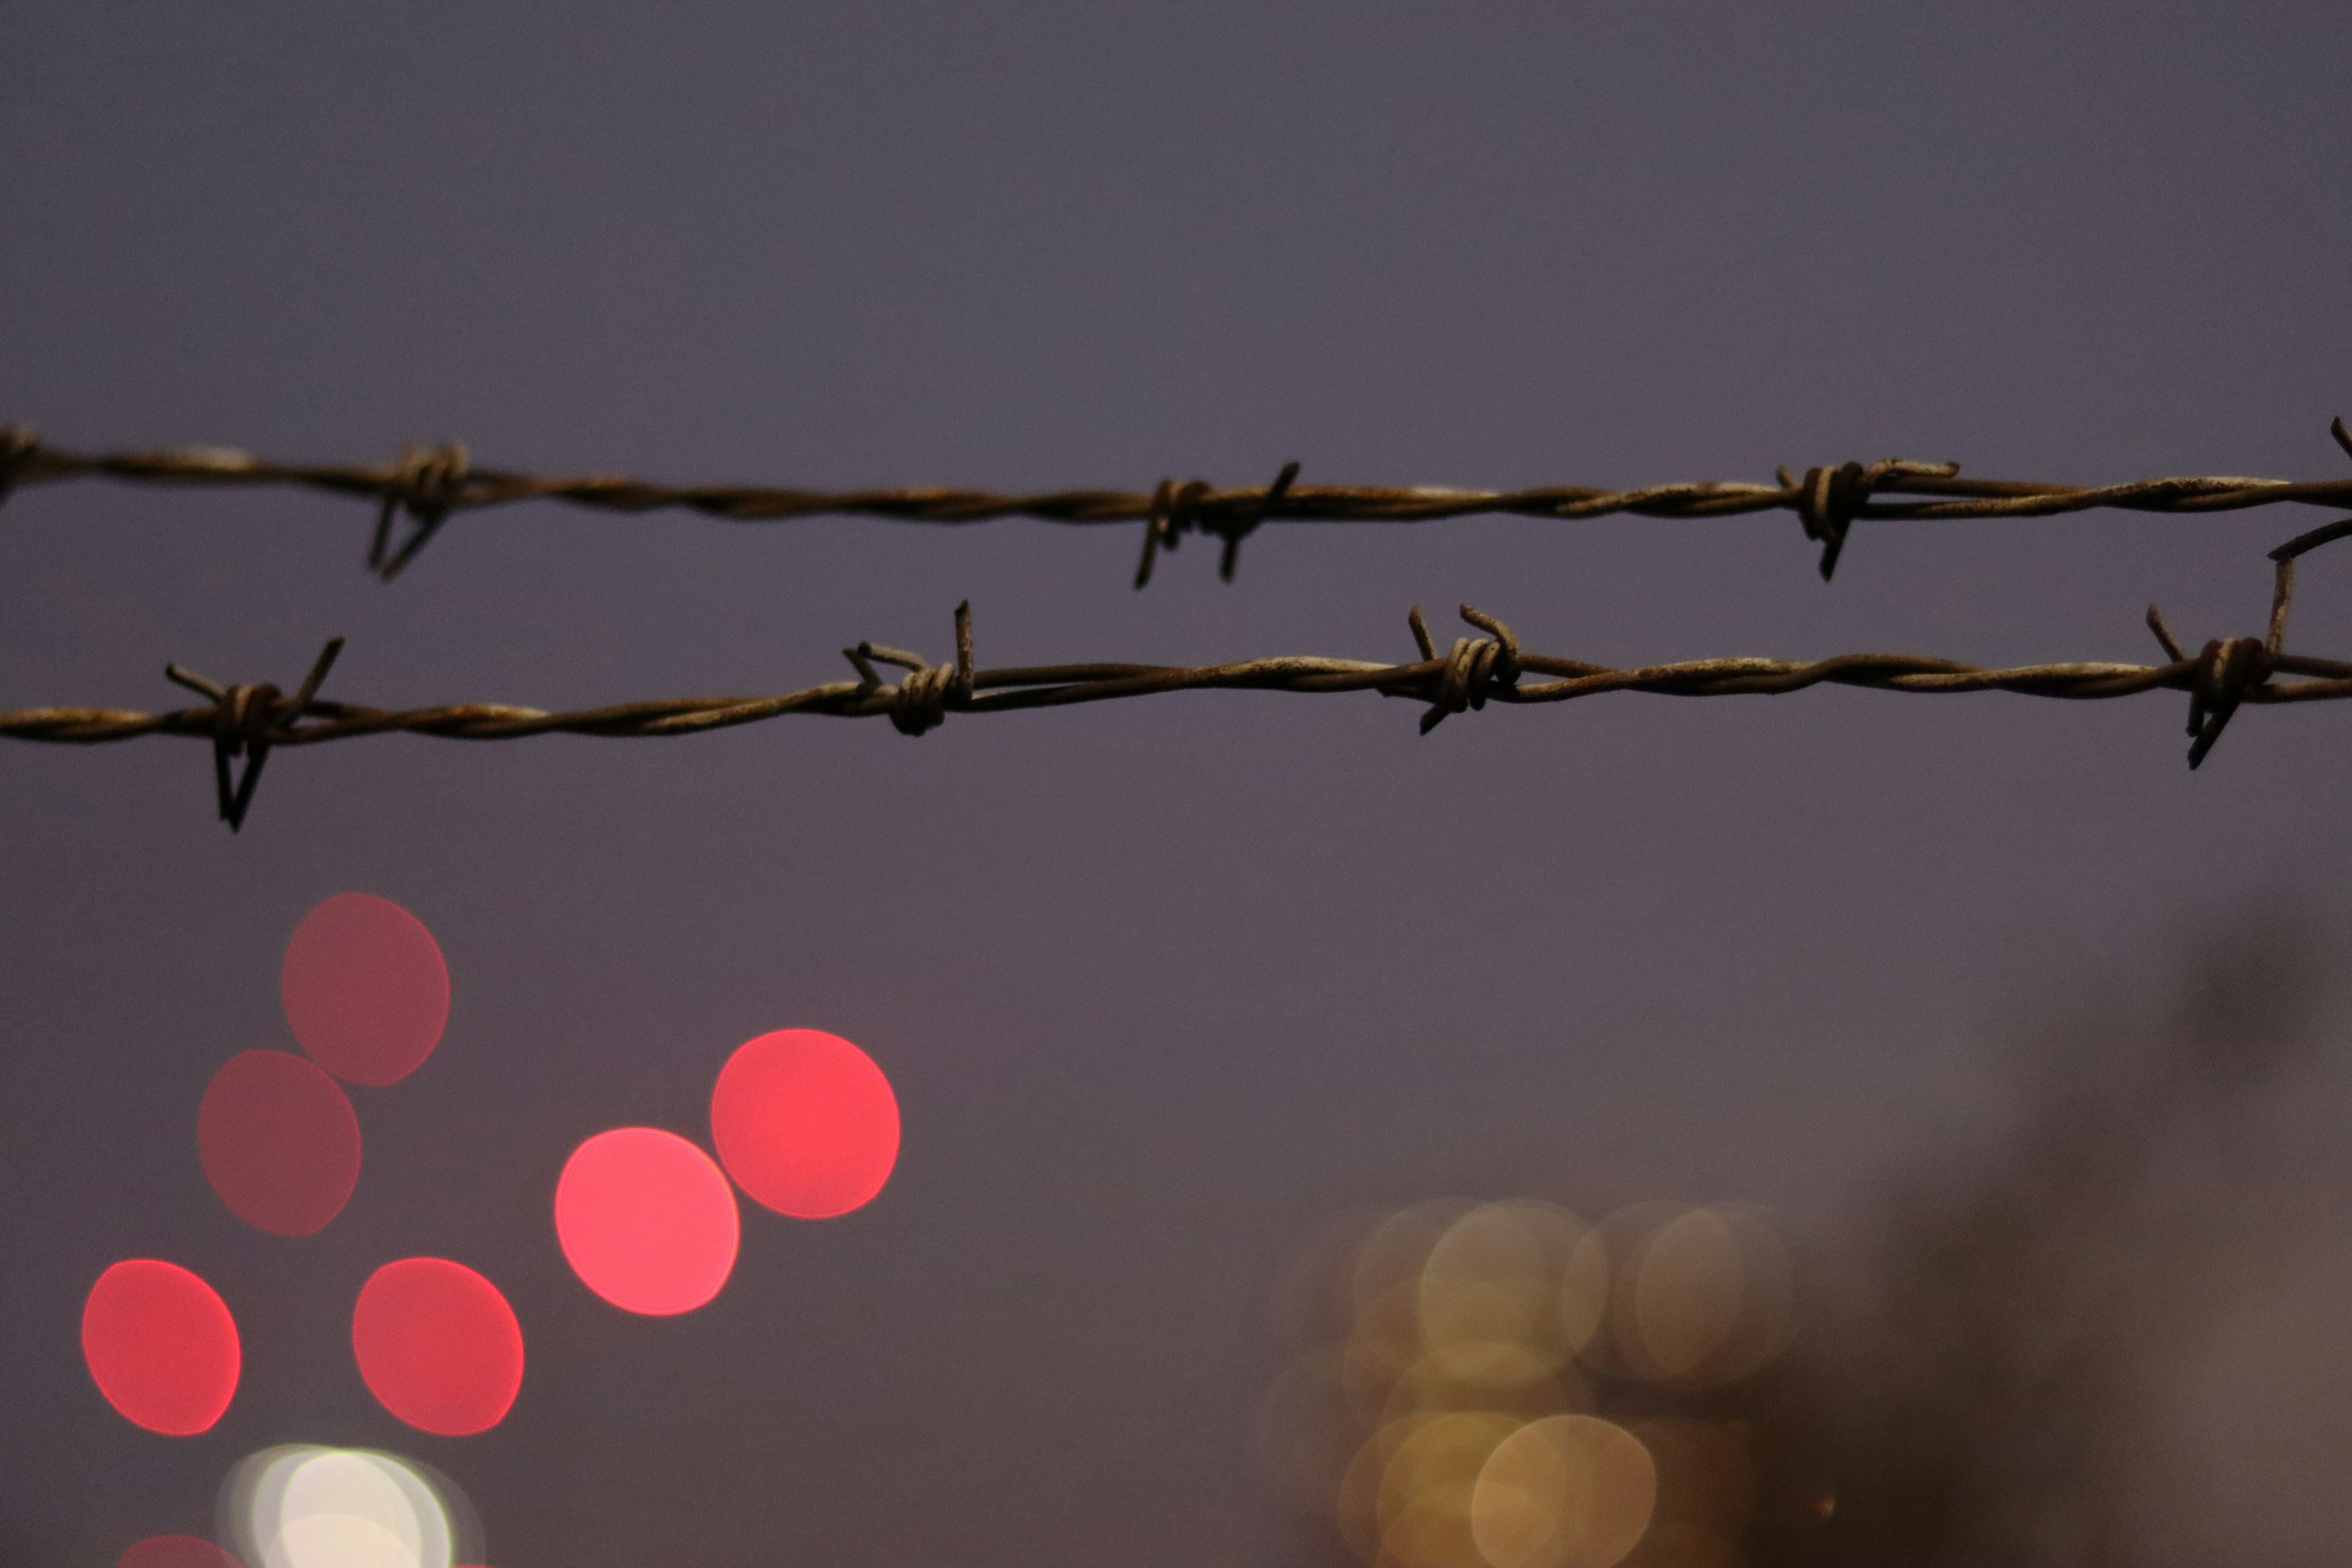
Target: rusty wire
(250, 720)
(429, 485)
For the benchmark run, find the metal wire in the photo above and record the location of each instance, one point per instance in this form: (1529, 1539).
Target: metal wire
(429, 485)
(250, 720)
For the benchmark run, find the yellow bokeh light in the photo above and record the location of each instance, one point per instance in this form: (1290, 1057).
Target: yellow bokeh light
(1486, 1279)
(1483, 1374)
(1688, 1284)
(1454, 1403)
(1422, 1508)
(1582, 1301)
(1710, 1298)
(1358, 1511)
(1568, 1491)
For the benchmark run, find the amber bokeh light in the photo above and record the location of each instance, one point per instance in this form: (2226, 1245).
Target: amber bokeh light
(1507, 1385)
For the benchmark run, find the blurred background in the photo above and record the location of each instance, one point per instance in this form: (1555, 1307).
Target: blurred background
(1916, 1125)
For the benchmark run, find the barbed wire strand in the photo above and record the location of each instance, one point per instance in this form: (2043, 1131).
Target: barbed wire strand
(429, 485)
(250, 720)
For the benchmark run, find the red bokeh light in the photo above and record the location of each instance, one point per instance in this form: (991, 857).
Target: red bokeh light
(438, 1346)
(176, 1552)
(805, 1122)
(161, 1346)
(646, 1220)
(365, 989)
(279, 1142)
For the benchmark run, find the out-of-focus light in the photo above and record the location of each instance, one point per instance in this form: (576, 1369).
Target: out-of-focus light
(302, 1506)
(646, 1220)
(279, 1142)
(1711, 1297)
(1487, 1278)
(1384, 1343)
(1358, 1494)
(1768, 1309)
(805, 1122)
(1449, 1334)
(1687, 1286)
(1568, 1491)
(438, 1346)
(175, 1551)
(1583, 1297)
(366, 990)
(161, 1345)
(1395, 1252)
(1486, 1375)
(1503, 1272)
(1422, 1508)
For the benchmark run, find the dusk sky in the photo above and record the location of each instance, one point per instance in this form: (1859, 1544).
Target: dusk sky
(1159, 985)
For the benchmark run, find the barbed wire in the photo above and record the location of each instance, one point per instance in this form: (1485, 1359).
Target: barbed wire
(428, 485)
(250, 720)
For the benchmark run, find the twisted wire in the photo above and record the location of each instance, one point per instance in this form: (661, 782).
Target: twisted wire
(430, 486)
(1494, 668)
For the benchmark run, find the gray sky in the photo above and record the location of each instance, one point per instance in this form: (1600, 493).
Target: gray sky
(1159, 983)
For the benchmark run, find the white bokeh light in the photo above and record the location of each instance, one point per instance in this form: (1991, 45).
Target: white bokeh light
(303, 1506)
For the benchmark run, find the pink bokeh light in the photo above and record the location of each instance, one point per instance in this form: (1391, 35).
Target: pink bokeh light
(805, 1122)
(646, 1220)
(366, 990)
(279, 1142)
(176, 1552)
(161, 1346)
(438, 1346)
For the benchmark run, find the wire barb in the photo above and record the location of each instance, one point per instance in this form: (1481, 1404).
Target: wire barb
(1246, 518)
(2229, 668)
(247, 721)
(428, 484)
(1829, 499)
(2226, 671)
(1477, 667)
(920, 702)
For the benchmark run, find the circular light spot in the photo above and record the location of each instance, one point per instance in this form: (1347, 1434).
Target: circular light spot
(1483, 1374)
(646, 1220)
(349, 1507)
(1612, 1252)
(1422, 1508)
(340, 1540)
(365, 988)
(805, 1123)
(437, 1345)
(279, 1142)
(303, 1506)
(1584, 1292)
(175, 1551)
(1358, 1511)
(1568, 1491)
(1686, 1293)
(1712, 1297)
(1395, 1251)
(161, 1346)
(1494, 1274)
